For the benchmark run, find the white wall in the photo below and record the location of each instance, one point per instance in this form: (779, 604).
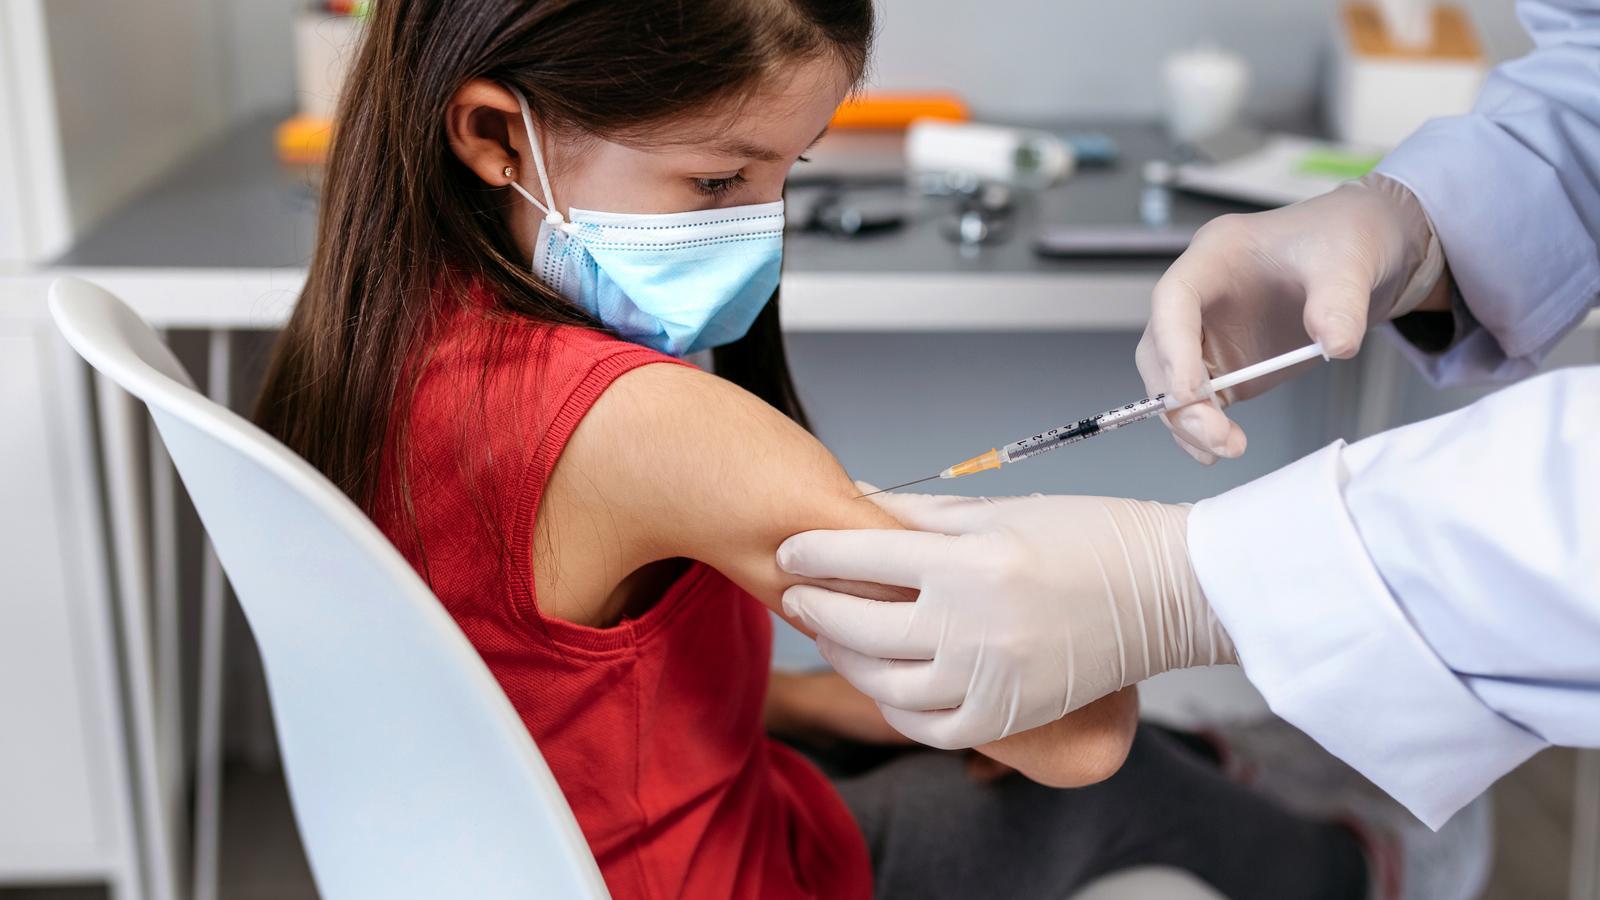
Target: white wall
(1012, 58)
(137, 87)
(1033, 59)
(14, 210)
(259, 39)
(33, 209)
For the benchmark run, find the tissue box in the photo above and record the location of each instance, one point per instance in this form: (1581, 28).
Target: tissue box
(1382, 90)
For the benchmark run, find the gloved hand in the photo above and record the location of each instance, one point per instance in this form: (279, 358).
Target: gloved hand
(1030, 608)
(1253, 286)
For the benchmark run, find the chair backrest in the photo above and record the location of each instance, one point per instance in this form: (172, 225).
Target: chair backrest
(411, 774)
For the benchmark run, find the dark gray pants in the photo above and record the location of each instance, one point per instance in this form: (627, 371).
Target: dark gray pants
(934, 832)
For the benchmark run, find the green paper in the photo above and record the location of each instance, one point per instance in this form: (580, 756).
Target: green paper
(1337, 163)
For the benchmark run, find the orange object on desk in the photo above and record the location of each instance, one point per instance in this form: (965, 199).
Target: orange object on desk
(303, 140)
(895, 110)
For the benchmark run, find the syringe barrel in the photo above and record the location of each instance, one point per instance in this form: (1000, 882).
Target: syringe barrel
(1138, 411)
(1083, 429)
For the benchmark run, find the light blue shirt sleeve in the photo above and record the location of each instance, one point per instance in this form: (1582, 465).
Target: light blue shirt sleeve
(1513, 192)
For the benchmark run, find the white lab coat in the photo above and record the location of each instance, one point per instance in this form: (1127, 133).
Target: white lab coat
(1426, 603)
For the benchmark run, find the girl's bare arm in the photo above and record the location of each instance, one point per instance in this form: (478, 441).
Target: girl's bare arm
(673, 462)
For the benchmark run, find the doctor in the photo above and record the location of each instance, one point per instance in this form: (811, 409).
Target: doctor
(1424, 603)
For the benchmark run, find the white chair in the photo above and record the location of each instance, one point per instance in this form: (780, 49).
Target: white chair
(410, 773)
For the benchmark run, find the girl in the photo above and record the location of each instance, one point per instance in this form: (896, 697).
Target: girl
(494, 371)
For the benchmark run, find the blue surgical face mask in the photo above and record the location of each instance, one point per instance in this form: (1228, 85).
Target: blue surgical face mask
(676, 283)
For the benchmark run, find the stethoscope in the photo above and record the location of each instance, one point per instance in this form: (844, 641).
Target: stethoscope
(980, 212)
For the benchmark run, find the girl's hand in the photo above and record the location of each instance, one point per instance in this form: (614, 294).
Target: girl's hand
(984, 769)
(822, 706)
(1084, 747)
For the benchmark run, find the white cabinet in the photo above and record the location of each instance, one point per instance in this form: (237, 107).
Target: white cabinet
(65, 807)
(96, 100)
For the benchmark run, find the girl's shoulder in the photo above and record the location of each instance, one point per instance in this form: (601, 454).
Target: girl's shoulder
(523, 377)
(480, 354)
(491, 411)
(479, 328)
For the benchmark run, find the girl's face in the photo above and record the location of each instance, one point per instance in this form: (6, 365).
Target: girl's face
(730, 156)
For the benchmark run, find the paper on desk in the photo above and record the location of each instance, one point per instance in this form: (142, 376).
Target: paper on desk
(1284, 169)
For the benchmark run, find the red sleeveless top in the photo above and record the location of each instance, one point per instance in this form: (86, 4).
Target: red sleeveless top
(652, 727)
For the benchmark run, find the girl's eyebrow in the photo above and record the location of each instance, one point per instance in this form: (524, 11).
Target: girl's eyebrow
(747, 150)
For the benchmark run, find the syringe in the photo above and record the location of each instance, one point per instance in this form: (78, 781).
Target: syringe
(1110, 420)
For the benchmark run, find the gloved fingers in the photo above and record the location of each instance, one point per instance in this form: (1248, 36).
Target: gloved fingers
(944, 729)
(1147, 359)
(881, 628)
(937, 513)
(1171, 360)
(1203, 457)
(881, 556)
(1204, 428)
(1336, 312)
(1175, 333)
(904, 684)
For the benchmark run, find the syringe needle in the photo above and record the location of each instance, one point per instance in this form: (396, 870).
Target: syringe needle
(898, 486)
(1106, 422)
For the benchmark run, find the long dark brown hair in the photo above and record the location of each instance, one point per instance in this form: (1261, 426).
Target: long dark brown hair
(403, 221)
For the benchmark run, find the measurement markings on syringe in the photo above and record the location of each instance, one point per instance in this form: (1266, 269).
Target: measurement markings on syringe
(1049, 440)
(1084, 428)
(1059, 433)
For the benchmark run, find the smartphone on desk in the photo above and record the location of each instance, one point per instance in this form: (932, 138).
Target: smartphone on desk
(1079, 241)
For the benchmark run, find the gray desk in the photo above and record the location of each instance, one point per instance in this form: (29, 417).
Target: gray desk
(231, 205)
(224, 238)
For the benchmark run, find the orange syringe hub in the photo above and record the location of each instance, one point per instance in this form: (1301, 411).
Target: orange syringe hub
(983, 462)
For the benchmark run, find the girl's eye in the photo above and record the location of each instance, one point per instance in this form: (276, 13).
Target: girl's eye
(716, 187)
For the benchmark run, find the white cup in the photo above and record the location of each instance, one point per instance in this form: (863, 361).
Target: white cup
(1206, 89)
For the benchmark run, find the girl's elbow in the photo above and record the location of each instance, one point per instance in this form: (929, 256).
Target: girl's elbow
(1081, 749)
(1105, 757)
(1092, 761)
(1112, 737)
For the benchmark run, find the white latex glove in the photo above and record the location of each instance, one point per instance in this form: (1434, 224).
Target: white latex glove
(1030, 608)
(1253, 286)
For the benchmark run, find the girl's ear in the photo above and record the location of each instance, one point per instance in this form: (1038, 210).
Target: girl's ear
(484, 126)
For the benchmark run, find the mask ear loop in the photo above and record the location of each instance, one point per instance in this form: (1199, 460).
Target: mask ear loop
(551, 216)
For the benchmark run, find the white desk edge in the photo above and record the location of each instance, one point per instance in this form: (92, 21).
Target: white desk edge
(812, 301)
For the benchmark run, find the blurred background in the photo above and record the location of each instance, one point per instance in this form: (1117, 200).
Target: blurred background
(970, 259)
